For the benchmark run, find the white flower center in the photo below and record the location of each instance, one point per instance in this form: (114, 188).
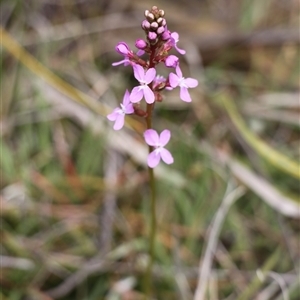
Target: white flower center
(158, 148)
(182, 82)
(122, 110)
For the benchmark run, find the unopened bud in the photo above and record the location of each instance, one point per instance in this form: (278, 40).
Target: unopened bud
(152, 36)
(166, 35)
(159, 20)
(145, 25)
(150, 17)
(161, 12)
(140, 44)
(154, 25)
(160, 30)
(146, 12)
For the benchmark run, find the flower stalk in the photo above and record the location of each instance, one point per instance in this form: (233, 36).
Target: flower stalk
(158, 42)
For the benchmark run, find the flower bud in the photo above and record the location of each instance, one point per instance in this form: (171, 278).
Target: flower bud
(159, 20)
(146, 12)
(145, 25)
(166, 35)
(161, 12)
(160, 30)
(154, 25)
(150, 17)
(152, 36)
(171, 61)
(140, 44)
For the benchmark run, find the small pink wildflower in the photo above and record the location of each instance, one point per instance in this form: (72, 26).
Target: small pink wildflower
(183, 83)
(174, 40)
(118, 114)
(144, 79)
(123, 49)
(158, 142)
(171, 61)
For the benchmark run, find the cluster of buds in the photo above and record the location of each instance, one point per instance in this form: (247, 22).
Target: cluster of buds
(154, 25)
(159, 41)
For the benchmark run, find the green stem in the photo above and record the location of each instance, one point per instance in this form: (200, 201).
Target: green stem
(152, 234)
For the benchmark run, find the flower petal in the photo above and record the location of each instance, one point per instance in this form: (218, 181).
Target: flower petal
(140, 52)
(119, 62)
(126, 98)
(181, 51)
(185, 95)
(175, 36)
(151, 137)
(153, 159)
(139, 72)
(178, 72)
(136, 94)
(166, 156)
(119, 122)
(164, 137)
(191, 82)
(129, 109)
(174, 80)
(113, 116)
(150, 74)
(149, 95)
(122, 48)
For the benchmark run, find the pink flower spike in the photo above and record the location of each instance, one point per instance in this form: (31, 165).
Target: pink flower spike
(158, 142)
(184, 83)
(144, 79)
(174, 41)
(118, 114)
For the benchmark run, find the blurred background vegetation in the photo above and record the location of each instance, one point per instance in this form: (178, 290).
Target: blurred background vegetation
(74, 193)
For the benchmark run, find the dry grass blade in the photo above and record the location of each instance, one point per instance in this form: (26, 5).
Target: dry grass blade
(265, 190)
(272, 156)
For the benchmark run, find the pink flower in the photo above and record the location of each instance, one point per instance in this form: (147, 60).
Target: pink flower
(183, 83)
(158, 142)
(118, 114)
(171, 61)
(144, 79)
(124, 50)
(174, 40)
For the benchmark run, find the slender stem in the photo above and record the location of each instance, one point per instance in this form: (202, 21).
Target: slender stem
(152, 234)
